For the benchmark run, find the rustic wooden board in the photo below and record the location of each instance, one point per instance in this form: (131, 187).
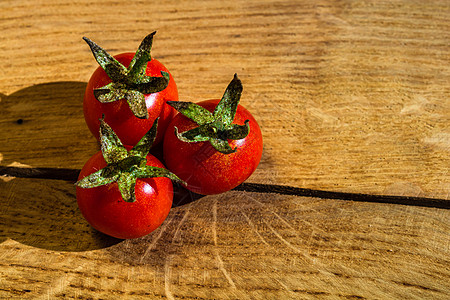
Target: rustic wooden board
(237, 245)
(352, 97)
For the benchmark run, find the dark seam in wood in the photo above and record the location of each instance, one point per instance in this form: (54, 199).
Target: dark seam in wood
(71, 175)
(295, 191)
(41, 173)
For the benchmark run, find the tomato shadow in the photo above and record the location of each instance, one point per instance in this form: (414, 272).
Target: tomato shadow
(45, 214)
(182, 196)
(43, 126)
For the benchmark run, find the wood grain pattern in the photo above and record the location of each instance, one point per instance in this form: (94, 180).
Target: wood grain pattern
(351, 96)
(234, 246)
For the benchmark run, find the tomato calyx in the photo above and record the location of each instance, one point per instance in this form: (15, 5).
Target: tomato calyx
(129, 83)
(123, 166)
(217, 127)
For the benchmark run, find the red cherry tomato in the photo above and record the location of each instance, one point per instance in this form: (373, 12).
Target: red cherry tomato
(205, 170)
(119, 116)
(104, 208)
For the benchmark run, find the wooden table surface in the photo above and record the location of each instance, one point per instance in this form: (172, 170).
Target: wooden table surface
(350, 200)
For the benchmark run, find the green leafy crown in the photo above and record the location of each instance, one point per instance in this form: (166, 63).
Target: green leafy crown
(217, 127)
(123, 166)
(129, 83)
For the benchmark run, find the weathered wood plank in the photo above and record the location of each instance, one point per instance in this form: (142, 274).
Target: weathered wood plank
(351, 97)
(236, 245)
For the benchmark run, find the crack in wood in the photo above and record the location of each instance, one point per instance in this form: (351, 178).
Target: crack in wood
(71, 175)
